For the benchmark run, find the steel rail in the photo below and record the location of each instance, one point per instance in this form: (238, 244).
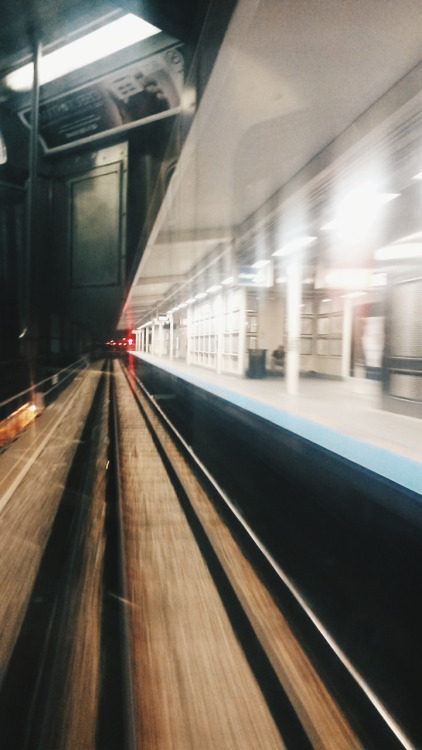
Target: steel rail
(383, 712)
(131, 743)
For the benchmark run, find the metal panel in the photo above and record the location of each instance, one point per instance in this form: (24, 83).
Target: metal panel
(406, 324)
(403, 360)
(95, 229)
(406, 386)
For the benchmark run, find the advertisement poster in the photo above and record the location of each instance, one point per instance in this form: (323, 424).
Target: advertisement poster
(144, 90)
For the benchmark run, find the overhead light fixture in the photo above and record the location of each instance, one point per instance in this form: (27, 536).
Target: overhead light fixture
(260, 264)
(110, 38)
(403, 251)
(200, 295)
(348, 278)
(280, 280)
(293, 245)
(190, 300)
(214, 288)
(417, 176)
(228, 281)
(387, 197)
(358, 211)
(379, 279)
(415, 237)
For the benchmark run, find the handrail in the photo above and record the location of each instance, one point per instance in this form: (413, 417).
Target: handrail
(78, 365)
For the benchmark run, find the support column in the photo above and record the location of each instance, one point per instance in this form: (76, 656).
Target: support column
(152, 338)
(189, 337)
(160, 339)
(171, 341)
(294, 297)
(346, 346)
(242, 364)
(219, 331)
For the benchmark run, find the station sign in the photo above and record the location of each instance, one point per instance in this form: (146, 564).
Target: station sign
(250, 276)
(139, 92)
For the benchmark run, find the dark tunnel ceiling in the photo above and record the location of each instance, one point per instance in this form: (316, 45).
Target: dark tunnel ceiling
(53, 19)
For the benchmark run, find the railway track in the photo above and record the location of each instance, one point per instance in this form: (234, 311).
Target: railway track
(303, 708)
(163, 627)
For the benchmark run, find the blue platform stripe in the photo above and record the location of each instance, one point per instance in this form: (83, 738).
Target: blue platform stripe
(390, 465)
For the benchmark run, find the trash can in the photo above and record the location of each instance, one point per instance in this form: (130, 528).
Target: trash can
(256, 368)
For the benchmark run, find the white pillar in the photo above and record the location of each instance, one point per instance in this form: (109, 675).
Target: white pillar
(138, 341)
(242, 333)
(346, 347)
(219, 330)
(160, 340)
(189, 336)
(294, 297)
(152, 338)
(171, 340)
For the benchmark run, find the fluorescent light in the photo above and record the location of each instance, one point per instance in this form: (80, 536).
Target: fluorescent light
(387, 197)
(406, 250)
(410, 238)
(281, 280)
(110, 38)
(182, 304)
(379, 279)
(228, 281)
(200, 295)
(214, 288)
(296, 244)
(348, 278)
(417, 176)
(357, 212)
(260, 264)
(190, 300)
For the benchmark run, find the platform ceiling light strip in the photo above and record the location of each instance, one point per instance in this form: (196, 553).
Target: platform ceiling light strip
(293, 245)
(214, 288)
(405, 251)
(110, 38)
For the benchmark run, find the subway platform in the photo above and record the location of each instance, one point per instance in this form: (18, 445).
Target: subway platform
(343, 416)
